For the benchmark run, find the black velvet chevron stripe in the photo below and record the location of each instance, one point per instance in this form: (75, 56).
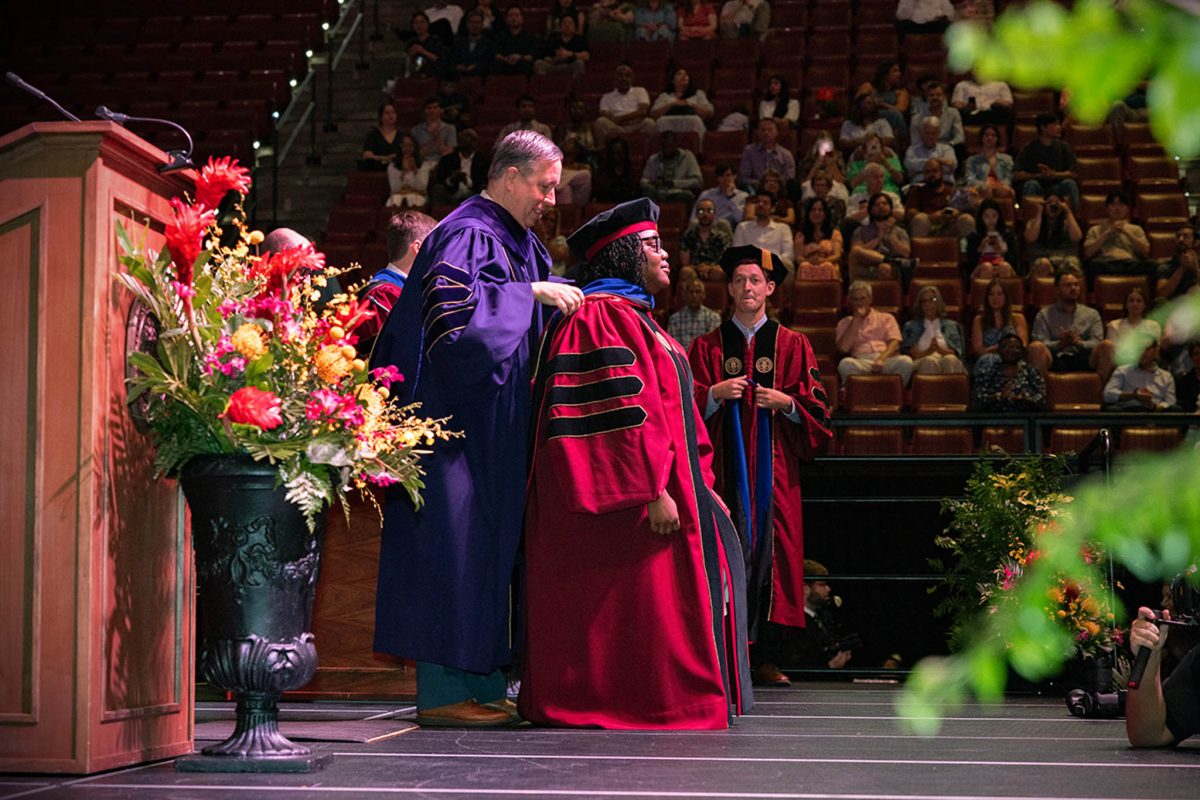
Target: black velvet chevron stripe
(610, 389)
(442, 321)
(444, 291)
(594, 424)
(600, 358)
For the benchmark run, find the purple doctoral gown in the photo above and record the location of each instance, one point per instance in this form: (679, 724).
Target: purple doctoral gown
(462, 335)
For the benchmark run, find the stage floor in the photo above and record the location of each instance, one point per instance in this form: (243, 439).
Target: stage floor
(809, 741)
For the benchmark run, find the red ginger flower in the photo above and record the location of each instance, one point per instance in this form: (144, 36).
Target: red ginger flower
(185, 237)
(353, 314)
(219, 176)
(278, 267)
(251, 406)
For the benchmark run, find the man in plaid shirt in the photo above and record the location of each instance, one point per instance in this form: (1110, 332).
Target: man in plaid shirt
(694, 319)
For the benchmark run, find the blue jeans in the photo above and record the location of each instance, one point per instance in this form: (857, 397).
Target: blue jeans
(1067, 187)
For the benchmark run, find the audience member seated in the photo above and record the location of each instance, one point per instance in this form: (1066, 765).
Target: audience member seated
(920, 103)
(444, 19)
(1047, 163)
(435, 137)
(873, 150)
(654, 21)
(672, 174)
(575, 185)
(729, 200)
(816, 645)
(821, 187)
(995, 321)
(934, 343)
(456, 106)
(764, 154)
(1144, 386)
(950, 128)
(891, 98)
(1116, 246)
(408, 176)
(1052, 235)
(924, 16)
(764, 232)
(989, 172)
(863, 119)
(778, 104)
(823, 156)
(610, 22)
(579, 128)
(990, 102)
(487, 10)
(1006, 381)
(566, 8)
(624, 110)
(1067, 331)
(706, 239)
(744, 19)
(870, 338)
(1187, 384)
(859, 206)
(697, 20)
(927, 146)
(515, 48)
(784, 211)
(424, 53)
(818, 244)
(615, 182)
(526, 119)
(382, 143)
(931, 206)
(682, 107)
(879, 243)
(549, 233)
(473, 55)
(1133, 322)
(1177, 276)
(991, 245)
(460, 173)
(565, 52)
(694, 319)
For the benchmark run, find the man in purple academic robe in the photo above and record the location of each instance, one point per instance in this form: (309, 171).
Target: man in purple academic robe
(462, 336)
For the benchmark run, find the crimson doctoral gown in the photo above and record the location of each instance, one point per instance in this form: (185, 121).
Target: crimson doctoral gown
(770, 528)
(626, 628)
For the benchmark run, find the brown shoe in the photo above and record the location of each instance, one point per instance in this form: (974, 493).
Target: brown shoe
(467, 714)
(767, 674)
(507, 706)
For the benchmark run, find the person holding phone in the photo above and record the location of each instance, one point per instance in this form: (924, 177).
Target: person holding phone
(931, 209)
(989, 245)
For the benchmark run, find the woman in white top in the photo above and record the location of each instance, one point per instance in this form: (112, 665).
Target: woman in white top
(408, 176)
(778, 103)
(1134, 321)
(682, 107)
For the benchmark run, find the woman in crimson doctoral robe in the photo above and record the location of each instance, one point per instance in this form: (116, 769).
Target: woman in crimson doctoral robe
(633, 578)
(777, 418)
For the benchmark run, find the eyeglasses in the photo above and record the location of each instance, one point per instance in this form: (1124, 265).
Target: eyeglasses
(654, 242)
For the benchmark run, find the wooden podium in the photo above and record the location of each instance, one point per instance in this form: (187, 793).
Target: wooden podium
(96, 603)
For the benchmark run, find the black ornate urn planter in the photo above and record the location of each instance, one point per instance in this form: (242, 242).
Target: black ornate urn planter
(256, 573)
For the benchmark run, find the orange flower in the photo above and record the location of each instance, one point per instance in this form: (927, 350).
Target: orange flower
(248, 341)
(333, 364)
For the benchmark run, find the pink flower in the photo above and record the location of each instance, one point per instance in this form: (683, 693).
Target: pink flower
(219, 176)
(251, 406)
(387, 375)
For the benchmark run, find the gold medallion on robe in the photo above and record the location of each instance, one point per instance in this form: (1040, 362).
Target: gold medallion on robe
(733, 366)
(764, 365)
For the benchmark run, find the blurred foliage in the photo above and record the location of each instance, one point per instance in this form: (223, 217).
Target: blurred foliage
(1148, 518)
(1098, 51)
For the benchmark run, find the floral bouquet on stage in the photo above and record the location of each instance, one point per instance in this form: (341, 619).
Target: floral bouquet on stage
(249, 361)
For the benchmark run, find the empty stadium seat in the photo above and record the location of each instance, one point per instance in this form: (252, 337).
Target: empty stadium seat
(946, 394)
(1139, 439)
(927, 441)
(1073, 391)
(874, 394)
(1070, 440)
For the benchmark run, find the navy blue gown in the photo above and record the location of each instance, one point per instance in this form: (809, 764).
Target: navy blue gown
(462, 335)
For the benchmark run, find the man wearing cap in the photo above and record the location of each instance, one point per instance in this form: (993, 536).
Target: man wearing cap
(462, 337)
(634, 580)
(817, 645)
(759, 388)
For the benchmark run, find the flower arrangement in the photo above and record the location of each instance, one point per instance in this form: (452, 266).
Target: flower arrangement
(1003, 524)
(249, 361)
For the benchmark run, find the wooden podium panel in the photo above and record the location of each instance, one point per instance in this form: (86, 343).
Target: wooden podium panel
(96, 607)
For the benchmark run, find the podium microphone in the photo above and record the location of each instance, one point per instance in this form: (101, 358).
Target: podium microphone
(180, 159)
(15, 80)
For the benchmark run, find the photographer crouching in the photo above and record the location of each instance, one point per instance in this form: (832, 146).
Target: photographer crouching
(1158, 712)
